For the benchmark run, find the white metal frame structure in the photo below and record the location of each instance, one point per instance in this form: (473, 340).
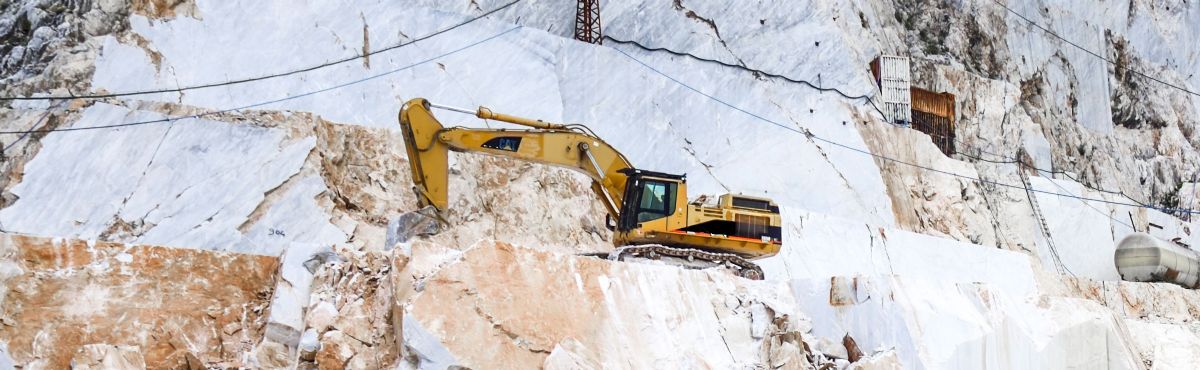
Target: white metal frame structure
(894, 81)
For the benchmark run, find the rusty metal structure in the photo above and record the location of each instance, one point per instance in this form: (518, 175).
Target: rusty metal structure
(927, 111)
(933, 113)
(587, 22)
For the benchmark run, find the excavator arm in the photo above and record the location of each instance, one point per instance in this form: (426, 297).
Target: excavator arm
(569, 146)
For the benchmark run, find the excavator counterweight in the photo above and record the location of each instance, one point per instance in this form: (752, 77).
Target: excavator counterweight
(648, 212)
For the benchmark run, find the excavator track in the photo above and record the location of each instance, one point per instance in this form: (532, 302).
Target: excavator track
(738, 265)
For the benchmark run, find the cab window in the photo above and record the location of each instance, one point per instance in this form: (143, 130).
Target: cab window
(657, 200)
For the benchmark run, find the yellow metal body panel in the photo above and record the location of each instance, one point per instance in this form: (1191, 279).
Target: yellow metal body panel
(426, 155)
(557, 148)
(670, 232)
(485, 113)
(428, 143)
(725, 210)
(676, 220)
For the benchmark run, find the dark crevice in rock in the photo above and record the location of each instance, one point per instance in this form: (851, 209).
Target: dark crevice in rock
(1130, 95)
(691, 14)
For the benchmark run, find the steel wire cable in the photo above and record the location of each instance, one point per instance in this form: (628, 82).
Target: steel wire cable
(268, 76)
(314, 92)
(1005, 160)
(1088, 51)
(33, 127)
(870, 101)
(883, 157)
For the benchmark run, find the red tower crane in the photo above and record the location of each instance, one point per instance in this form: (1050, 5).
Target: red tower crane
(587, 22)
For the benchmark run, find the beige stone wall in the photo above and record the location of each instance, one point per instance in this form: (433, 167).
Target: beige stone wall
(175, 306)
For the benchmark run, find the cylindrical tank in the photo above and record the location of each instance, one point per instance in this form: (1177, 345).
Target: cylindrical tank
(1141, 257)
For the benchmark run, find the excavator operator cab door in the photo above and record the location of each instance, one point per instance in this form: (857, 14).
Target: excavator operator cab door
(648, 197)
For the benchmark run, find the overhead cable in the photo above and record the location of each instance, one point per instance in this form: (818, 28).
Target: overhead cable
(268, 76)
(1109, 216)
(1086, 50)
(1006, 160)
(866, 98)
(883, 157)
(1106, 60)
(38, 123)
(314, 92)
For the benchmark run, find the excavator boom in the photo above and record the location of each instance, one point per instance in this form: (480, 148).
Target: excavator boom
(429, 143)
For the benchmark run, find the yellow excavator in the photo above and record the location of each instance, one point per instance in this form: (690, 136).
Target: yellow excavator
(648, 212)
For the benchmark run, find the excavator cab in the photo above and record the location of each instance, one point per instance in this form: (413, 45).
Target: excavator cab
(650, 196)
(655, 210)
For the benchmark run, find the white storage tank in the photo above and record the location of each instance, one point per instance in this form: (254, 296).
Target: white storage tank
(1141, 257)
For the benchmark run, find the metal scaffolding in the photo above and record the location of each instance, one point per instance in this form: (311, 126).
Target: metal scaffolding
(587, 22)
(930, 112)
(934, 113)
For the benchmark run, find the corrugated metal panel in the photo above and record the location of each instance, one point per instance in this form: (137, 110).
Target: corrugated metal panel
(934, 114)
(894, 82)
(941, 104)
(750, 226)
(927, 111)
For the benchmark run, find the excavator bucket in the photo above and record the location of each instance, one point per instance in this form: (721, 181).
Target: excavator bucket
(422, 222)
(427, 158)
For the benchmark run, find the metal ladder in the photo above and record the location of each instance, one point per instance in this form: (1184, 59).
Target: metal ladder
(1037, 212)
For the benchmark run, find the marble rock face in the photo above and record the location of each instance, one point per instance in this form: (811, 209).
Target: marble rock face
(108, 304)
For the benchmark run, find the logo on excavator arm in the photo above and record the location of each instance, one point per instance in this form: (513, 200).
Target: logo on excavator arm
(506, 143)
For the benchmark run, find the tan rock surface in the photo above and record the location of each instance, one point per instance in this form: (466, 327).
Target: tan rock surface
(501, 304)
(173, 304)
(350, 313)
(164, 9)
